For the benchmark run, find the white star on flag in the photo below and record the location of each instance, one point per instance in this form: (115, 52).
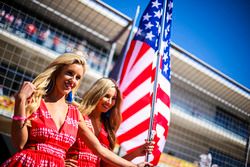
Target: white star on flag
(158, 14)
(146, 17)
(148, 25)
(165, 57)
(139, 31)
(165, 68)
(156, 4)
(150, 36)
(170, 5)
(169, 17)
(166, 31)
(157, 24)
(159, 29)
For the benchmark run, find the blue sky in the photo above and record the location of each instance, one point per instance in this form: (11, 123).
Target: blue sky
(215, 31)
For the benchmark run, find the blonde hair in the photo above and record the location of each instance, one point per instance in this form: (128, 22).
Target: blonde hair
(112, 119)
(45, 81)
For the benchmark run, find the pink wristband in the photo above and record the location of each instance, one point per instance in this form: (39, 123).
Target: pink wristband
(18, 118)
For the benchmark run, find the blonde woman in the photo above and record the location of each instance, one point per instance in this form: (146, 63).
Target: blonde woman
(102, 105)
(45, 125)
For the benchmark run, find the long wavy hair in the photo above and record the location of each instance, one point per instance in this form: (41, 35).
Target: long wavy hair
(45, 81)
(111, 119)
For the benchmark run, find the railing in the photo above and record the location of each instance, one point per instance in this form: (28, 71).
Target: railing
(223, 123)
(30, 28)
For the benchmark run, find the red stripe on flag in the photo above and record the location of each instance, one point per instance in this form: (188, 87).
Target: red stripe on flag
(144, 75)
(141, 53)
(161, 120)
(140, 128)
(153, 74)
(163, 96)
(133, 149)
(127, 58)
(161, 62)
(137, 106)
(157, 155)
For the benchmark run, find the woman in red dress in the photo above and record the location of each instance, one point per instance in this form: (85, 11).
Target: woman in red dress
(102, 105)
(45, 125)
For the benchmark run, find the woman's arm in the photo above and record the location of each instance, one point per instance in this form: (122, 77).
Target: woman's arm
(147, 147)
(105, 154)
(19, 131)
(92, 142)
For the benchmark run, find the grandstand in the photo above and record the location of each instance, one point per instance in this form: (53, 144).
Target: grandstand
(210, 112)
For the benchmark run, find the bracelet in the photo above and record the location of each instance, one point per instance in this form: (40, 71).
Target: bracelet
(19, 118)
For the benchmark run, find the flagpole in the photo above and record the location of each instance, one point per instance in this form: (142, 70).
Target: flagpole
(128, 43)
(110, 58)
(150, 135)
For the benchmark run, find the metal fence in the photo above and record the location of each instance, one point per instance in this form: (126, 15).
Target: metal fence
(201, 128)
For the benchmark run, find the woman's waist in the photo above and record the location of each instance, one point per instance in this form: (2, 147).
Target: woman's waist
(48, 148)
(83, 155)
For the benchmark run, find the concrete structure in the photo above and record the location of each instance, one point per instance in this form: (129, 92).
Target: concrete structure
(210, 111)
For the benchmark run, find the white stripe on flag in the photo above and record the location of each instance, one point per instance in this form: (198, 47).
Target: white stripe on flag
(136, 70)
(160, 133)
(136, 94)
(142, 159)
(130, 123)
(135, 52)
(165, 84)
(163, 109)
(135, 141)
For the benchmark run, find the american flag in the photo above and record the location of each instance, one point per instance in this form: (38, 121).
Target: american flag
(137, 80)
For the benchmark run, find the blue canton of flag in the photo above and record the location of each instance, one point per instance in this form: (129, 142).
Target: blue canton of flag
(150, 28)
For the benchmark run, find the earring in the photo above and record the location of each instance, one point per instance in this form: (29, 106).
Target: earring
(69, 98)
(49, 87)
(107, 114)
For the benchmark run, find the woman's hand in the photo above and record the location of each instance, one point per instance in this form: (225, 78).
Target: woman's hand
(19, 132)
(25, 91)
(144, 164)
(70, 163)
(149, 146)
